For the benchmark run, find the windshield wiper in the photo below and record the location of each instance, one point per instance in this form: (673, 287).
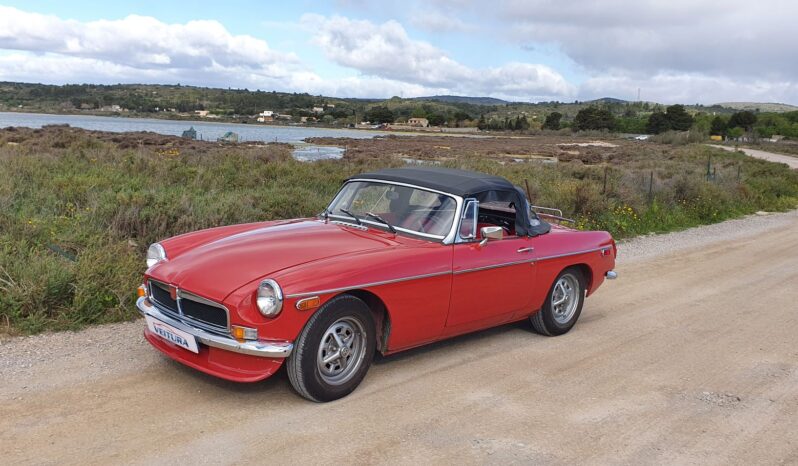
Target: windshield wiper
(381, 220)
(357, 219)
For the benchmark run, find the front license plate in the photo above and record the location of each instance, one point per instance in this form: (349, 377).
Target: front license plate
(172, 335)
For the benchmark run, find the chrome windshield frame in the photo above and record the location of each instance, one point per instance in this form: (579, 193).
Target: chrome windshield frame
(449, 238)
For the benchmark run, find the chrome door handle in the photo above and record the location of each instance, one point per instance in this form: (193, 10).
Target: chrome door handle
(525, 249)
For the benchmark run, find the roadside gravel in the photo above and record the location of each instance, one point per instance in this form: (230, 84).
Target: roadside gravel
(646, 247)
(675, 362)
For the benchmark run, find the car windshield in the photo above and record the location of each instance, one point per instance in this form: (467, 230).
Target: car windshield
(407, 209)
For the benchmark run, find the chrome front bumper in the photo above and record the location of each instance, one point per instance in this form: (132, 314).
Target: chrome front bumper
(265, 349)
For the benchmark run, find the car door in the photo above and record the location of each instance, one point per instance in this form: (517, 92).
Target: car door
(491, 281)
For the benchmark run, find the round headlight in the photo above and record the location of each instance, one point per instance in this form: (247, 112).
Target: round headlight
(155, 254)
(270, 298)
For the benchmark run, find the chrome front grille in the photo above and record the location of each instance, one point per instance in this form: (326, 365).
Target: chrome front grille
(159, 293)
(190, 309)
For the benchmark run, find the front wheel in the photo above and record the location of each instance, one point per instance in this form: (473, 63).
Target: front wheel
(563, 304)
(334, 350)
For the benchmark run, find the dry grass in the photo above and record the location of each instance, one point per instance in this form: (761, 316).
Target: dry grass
(78, 209)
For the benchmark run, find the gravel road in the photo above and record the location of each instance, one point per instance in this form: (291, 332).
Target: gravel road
(689, 357)
(791, 161)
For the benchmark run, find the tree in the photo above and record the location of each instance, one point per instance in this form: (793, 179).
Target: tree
(744, 119)
(675, 118)
(418, 112)
(594, 118)
(735, 132)
(657, 123)
(552, 121)
(678, 118)
(380, 114)
(482, 124)
(436, 119)
(460, 116)
(718, 127)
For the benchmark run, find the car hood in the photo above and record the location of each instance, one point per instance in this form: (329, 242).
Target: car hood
(216, 269)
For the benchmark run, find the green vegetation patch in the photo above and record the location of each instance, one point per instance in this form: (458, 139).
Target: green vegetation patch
(78, 212)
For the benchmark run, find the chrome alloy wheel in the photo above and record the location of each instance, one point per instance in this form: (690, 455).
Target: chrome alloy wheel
(565, 298)
(342, 349)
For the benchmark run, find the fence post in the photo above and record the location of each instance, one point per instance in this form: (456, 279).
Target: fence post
(651, 187)
(709, 167)
(604, 189)
(739, 172)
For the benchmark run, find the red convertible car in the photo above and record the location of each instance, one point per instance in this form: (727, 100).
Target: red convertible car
(400, 258)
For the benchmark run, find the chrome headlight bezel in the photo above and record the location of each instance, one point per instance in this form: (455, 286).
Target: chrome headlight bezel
(155, 254)
(269, 298)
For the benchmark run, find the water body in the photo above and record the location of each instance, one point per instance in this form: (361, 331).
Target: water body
(207, 130)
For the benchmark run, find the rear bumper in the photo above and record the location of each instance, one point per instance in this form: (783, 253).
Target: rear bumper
(221, 357)
(611, 275)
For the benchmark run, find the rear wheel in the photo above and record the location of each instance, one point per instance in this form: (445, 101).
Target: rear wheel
(563, 304)
(334, 350)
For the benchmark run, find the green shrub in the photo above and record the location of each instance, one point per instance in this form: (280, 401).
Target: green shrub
(77, 214)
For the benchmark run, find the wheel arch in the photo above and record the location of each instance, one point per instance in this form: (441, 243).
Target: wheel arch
(587, 273)
(379, 310)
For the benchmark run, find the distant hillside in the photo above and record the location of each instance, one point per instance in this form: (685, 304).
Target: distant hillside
(461, 99)
(607, 100)
(759, 106)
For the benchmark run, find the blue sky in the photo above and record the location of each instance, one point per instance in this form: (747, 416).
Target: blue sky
(687, 51)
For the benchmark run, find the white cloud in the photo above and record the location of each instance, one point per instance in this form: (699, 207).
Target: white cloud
(736, 37)
(438, 22)
(675, 51)
(57, 69)
(689, 50)
(688, 88)
(138, 49)
(386, 51)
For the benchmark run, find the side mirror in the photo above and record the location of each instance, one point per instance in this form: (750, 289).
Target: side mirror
(490, 233)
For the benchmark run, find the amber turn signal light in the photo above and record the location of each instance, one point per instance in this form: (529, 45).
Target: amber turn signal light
(308, 303)
(142, 291)
(243, 333)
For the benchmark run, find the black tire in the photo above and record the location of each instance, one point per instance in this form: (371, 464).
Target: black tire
(303, 365)
(546, 321)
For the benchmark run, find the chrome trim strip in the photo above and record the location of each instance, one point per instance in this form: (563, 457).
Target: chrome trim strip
(366, 285)
(556, 256)
(399, 183)
(261, 348)
(458, 272)
(494, 266)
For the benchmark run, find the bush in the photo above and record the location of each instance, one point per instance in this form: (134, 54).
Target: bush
(75, 221)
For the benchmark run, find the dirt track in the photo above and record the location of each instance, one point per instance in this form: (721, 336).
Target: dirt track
(791, 161)
(689, 357)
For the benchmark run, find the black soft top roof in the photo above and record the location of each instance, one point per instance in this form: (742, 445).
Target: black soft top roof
(467, 184)
(462, 183)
